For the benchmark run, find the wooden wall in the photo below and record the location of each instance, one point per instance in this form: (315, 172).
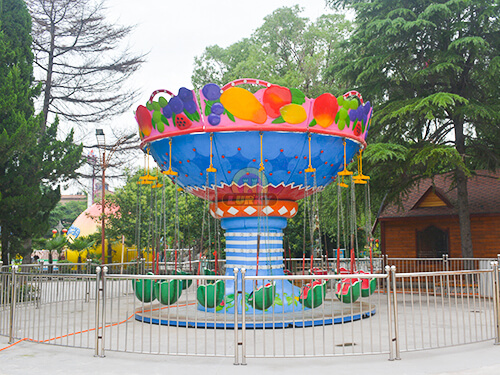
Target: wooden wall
(399, 236)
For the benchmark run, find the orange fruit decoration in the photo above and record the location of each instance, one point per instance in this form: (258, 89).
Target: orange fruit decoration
(324, 109)
(293, 113)
(144, 118)
(274, 98)
(243, 104)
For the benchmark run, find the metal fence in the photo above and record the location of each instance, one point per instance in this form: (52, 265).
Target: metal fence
(101, 311)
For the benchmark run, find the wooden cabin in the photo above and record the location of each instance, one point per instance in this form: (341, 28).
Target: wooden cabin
(426, 225)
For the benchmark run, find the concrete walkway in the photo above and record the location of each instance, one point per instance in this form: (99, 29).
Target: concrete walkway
(30, 358)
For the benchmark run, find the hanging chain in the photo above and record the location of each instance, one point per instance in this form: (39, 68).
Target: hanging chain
(138, 221)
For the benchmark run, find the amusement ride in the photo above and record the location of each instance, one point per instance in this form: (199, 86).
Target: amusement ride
(251, 154)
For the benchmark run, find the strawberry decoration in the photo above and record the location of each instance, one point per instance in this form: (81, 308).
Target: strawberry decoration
(357, 129)
(182, 122)
(144, 118)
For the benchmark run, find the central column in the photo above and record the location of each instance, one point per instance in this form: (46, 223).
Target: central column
(254, 241)
(242, 237)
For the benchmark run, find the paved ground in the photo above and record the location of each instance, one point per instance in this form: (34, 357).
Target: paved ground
(30, 358)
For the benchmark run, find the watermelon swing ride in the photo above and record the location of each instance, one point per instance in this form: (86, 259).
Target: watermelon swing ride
(250, 157)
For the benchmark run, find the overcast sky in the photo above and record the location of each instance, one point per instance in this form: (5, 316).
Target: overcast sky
(174, 32)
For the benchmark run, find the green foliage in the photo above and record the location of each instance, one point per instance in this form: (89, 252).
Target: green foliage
(428, 68)
(32, 163)
(153, 226)
(287, 49)
(66, 213)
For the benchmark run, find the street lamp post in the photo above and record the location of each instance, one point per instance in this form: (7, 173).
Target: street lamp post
(101, 142)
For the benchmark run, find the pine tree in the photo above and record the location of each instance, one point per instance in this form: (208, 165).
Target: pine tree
(431, 68)
(32, 163)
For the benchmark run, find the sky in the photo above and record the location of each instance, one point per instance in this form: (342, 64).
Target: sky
(172, 33)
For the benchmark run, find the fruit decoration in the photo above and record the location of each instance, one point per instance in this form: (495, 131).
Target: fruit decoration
(213, 119)
(271, 105)
(360, 114)
(274, 98)
(176, 104)
(182, 122)
(293, 113)
(243, 105)
(211, 91)
(144, 119)
(324, 109)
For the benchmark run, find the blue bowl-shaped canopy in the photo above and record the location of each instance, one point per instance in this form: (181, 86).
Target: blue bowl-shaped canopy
(237, 157)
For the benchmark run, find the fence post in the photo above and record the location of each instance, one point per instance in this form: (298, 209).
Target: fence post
(243, 320)
(143, 266)
(13, 299)
(395, 309)
(236, 341)
(389, 312)
(496, 296)
(97, 309)
(103, 307)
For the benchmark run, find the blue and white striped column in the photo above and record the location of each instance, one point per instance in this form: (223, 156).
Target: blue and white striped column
(241, 244)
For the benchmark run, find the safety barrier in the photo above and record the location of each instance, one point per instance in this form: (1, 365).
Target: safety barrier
(119, 312)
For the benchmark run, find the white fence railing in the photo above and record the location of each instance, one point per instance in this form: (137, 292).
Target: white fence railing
(117, 312)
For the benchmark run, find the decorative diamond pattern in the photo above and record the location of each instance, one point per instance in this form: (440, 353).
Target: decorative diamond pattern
(283, 210)
(219, 212)
(250, 210)
(267, 210)
(292, 212)
(233, 211)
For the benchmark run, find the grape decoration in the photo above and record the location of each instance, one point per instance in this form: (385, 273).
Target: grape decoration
(213, 107)
(180, 111)
(271, 107)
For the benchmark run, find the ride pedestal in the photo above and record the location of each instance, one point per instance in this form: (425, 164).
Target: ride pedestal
(255, 243)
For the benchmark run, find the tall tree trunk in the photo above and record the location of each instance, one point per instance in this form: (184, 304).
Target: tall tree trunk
(462, 194)
(5, 246)
(50, 67)
(463, 214)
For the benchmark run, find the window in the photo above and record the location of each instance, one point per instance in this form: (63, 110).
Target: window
(432, 242)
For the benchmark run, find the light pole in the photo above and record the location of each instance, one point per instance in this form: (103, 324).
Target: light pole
(101, 142)
(104, 161)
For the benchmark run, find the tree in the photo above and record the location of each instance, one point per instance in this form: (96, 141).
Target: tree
(287, 50)
(32, 163)
(431, 67)
(82, 245)
(291, 51)
(190, 211)
(66, 213)
(81, 59)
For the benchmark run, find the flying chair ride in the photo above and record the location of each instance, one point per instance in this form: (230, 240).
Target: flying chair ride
(252, 156)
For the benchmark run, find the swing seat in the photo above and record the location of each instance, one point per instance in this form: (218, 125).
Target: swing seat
(143, 289)
(211, 295)
(263, 297)
(287, 272)
(167, 291)
(185, 283)
(209, 272)
(319, 271)
(344, 271)
(313, 295)
(368, 286)
(348, 290)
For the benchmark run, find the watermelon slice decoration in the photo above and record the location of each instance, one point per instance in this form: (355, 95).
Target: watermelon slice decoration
(263, 297)
(182, 122)
(312, 295)
(357, 129)
(368, 286)
(348, 290)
